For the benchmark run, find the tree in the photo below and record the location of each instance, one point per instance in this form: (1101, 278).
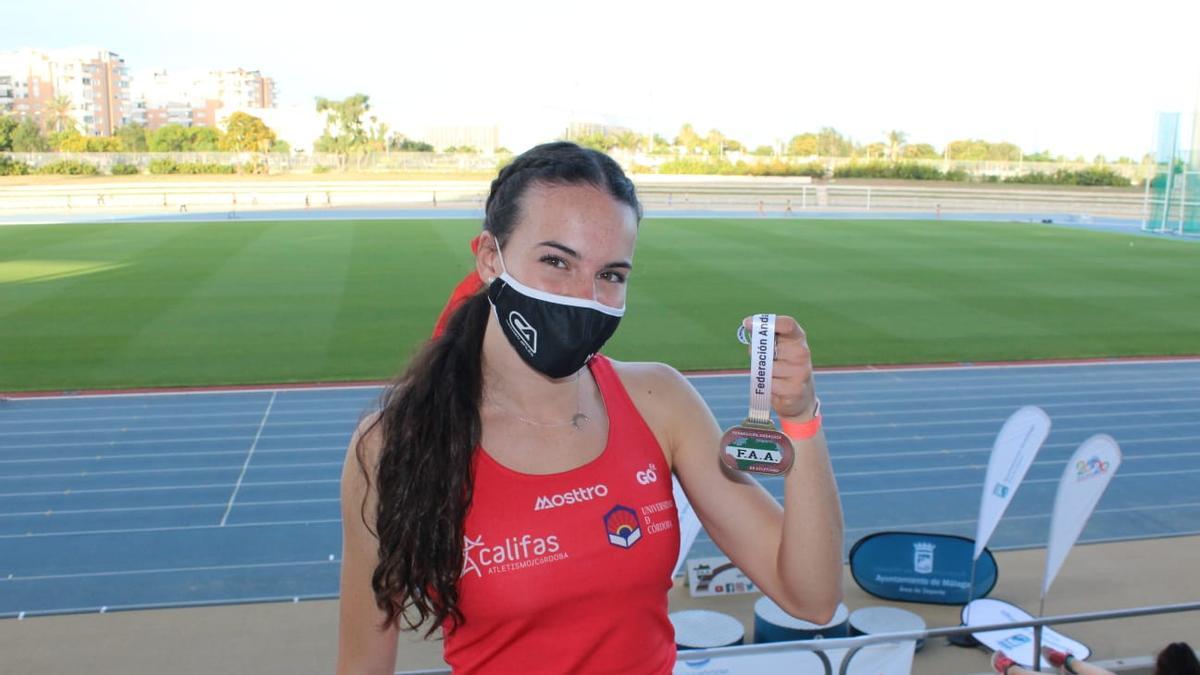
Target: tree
(715, 143)
(804, 145)
(133, 138)
(27, 137)
(170, 138)
(980, 150)
(246, 133)
(627, 139)
(344, 132)
(1041, 156)
(376, 136)
(594, 140)
(400, 143)
(688, 139)
(202, 139)
(58, 114)
(830, 143)
(73, 141)
(281, 147)
(919, 151)
(8, 124)
(895, 140)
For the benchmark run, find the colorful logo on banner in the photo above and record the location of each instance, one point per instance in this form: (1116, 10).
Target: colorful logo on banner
(1084, 479)
(622, 525)
(716, 576)
(1091, 468)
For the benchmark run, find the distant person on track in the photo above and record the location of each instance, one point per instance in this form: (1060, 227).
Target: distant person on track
(514, 492)
(1176, 658)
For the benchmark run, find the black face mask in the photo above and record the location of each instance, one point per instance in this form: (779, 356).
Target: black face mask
(555, 334)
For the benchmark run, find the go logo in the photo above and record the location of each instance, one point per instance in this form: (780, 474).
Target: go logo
(648, 476)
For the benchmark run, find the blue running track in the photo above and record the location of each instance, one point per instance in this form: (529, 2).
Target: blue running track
(217, 497)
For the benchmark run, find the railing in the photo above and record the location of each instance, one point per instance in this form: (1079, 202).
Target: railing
(765, 195)
(856, 644)
(301, 162)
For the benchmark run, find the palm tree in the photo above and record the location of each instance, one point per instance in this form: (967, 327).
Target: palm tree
(58, 114)
(895, 138)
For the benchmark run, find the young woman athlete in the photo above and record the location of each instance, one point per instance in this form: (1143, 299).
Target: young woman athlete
(514, 491)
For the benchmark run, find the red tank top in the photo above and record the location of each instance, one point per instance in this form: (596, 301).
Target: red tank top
(569, 572)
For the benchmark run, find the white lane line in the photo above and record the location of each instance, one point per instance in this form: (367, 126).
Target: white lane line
(1033, 516)
(838, 373)
(992, 433)
(834, 442)
(254, 444)
(75, 533)
(167, 507)
(836, 459)
(1119, 409)
(976, 485)
(1123, 477)
(209, 392)
(946, 452)
(64, 427)
(998, 420)
(166, 488)
(178, 408)
(170, 570)
(952, 394)
(27, 446)
(152, 455)
(335, 413)
(982, 466)
(885, 370)
(56, 611)
(1000, 379)
(186, 469)
(347, 434)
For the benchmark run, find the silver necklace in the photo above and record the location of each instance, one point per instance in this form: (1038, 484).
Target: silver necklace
(578, 420)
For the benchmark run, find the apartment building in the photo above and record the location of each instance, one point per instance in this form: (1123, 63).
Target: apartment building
(198, 97)
(87, 88)
(484, 138)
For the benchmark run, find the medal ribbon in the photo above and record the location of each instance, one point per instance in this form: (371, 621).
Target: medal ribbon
(762, 359)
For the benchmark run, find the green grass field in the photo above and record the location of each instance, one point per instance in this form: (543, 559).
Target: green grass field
(145, 304)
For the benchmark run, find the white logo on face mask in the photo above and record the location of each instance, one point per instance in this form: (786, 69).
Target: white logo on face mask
(526, 333)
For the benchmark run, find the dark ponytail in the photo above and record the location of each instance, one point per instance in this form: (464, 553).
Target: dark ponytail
(430, 417)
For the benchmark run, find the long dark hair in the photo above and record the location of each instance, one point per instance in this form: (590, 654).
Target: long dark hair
(1177, 658)
(430, 417)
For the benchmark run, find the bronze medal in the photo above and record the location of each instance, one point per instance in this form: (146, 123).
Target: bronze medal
(756, 445)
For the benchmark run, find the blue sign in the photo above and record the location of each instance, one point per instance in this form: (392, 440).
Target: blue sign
(914, 567)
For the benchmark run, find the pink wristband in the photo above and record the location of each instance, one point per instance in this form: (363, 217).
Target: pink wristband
(802, 431)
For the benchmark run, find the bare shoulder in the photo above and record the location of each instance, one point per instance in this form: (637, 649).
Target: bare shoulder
(362, 458)
(663, 396)
(651, 384)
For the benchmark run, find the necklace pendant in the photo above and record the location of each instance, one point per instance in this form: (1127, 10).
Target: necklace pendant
(578, 420)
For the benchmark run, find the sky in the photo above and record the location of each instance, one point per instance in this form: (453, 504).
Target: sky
(1075, 78)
